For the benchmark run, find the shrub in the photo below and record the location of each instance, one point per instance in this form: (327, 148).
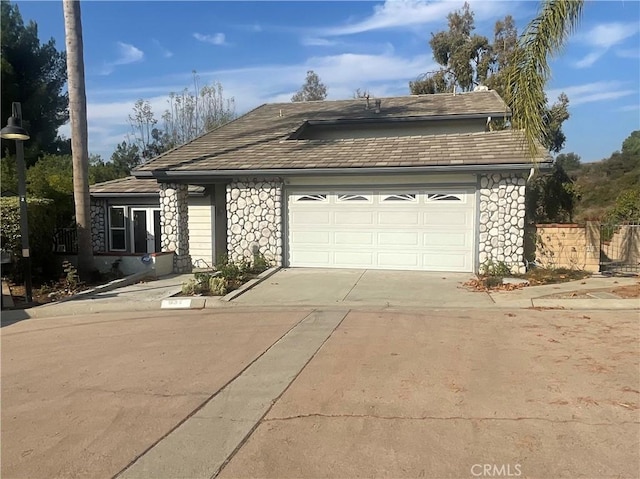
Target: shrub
(218, 286)
(498, 269)
(41, 217)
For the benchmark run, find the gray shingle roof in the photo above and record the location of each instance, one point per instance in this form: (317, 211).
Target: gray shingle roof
(259, 139)
(133, 186)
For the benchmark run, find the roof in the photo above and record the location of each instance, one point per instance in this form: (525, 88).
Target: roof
(132, 186)
(260, 139)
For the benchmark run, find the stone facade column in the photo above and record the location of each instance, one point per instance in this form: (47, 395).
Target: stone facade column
(502, 212)
(254, 219)
(99, 225)
(174, 218)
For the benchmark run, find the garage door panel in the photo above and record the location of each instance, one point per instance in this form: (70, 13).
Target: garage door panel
(447, 218)
(353, 258)
(402, 260)
(447, 238)
(311, 237)
(452, 261)
(399, 238)
(392, 229)
(310, 217)
(399, 218)
(310, 258)
(353, 238)
(343, 216)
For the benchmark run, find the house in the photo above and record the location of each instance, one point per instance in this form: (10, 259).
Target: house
(414, 182)
(126, 220)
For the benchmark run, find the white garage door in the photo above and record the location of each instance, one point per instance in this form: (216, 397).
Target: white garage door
(429, 230)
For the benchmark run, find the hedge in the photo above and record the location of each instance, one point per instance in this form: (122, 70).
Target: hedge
(42, 223)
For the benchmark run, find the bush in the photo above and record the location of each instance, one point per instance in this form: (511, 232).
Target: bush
(499, 269)
(41, 217)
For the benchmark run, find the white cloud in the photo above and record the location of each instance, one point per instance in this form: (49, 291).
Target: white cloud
(128, 54)
(628, 53)
(317, 42)
(383, 74)
(165, 53)
(607, 35)
(215, 39)
(593, 92)
(407, 13)
(603, 37)
(589, 59)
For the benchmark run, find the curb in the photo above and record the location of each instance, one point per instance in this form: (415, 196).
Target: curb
(250, 284)
(208, 302)
(103, 288)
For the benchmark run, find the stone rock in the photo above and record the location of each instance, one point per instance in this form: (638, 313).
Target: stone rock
(235, 229)
(235, 193)
(242, 203)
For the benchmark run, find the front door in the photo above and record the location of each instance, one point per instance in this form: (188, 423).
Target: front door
(146, 230)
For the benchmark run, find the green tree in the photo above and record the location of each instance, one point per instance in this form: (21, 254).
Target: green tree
(551, 197)
(79, 135)
(101, 171)
(568, 161)
(125, 158)
(52, 178)
(312, 89)
(631, 145)
(468, 60)
(33, 74)
(543, 38)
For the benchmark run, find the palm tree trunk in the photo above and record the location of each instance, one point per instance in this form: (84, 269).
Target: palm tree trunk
(79, 135)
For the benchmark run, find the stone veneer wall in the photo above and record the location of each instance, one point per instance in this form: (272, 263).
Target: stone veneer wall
(99, 225)
(174, 218)
(502, 212)
(254, 219)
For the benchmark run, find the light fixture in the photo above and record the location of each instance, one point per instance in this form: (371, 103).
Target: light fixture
(14, 130)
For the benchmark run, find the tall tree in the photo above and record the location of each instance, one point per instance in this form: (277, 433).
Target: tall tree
(468, 60)
(465, 57)
(312, 90)
(543, 38)
(190, 114)
(33, 74)
(79, 135)
(568, 162)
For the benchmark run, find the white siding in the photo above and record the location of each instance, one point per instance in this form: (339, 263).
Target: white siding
(201, 231)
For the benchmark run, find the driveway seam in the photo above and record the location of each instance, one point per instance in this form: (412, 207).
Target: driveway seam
(354, 285)
(209, 399)
(262, 419)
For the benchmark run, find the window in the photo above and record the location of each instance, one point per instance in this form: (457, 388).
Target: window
(443, 197)
(354, 198)
(117, 229)
(399, 197)
(319, 197)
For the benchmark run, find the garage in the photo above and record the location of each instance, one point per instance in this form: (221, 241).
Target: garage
(391, 228)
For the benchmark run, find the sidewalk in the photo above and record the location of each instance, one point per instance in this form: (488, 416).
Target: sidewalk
(149, 295)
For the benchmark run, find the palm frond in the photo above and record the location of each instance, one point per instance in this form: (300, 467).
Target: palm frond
(542, 39)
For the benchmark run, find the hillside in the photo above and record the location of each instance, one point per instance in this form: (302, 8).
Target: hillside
(600, 183)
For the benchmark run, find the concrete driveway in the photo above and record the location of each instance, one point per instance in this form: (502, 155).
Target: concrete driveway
(358, 287)
(325, 393)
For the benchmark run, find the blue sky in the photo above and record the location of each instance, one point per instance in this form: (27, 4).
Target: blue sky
(260, 52)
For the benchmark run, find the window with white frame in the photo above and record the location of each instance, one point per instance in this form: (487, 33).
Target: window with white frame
(117, 228)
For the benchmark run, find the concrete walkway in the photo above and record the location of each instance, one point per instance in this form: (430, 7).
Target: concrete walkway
(199, 447)
(347, 288)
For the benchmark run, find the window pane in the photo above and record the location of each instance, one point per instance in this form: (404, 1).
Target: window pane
(116, 217)
(117, 240)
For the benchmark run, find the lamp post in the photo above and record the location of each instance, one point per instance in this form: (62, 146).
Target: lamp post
(14, 131)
